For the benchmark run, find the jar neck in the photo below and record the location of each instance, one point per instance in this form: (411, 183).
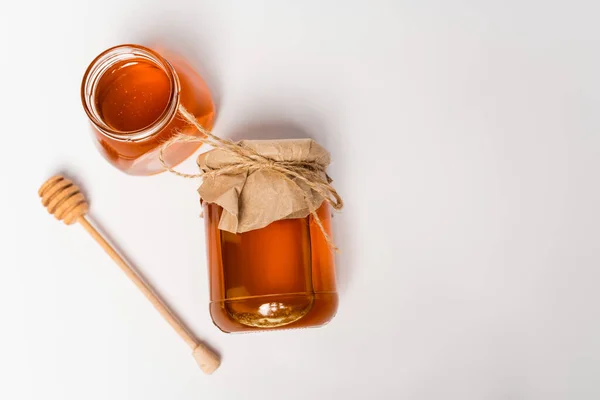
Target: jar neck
(103, 64)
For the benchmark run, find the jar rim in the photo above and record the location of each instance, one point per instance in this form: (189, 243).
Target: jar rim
(101, 64)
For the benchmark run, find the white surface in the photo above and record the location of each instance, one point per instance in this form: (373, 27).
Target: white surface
(466, 143)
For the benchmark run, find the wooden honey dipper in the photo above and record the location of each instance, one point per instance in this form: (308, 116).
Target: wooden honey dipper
(65, 201)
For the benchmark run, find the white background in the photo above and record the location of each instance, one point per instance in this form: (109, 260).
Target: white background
(465, 139)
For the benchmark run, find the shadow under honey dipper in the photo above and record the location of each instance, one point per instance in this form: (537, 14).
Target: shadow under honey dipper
(64, 200)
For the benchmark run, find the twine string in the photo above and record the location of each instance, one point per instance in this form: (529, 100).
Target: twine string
(309, 173)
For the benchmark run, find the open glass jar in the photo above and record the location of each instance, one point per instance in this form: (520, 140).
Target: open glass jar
(131, 95)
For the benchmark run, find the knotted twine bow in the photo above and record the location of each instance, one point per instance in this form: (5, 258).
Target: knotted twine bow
(312, 174)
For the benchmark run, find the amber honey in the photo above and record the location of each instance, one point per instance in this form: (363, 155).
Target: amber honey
(131, 95)
(278, 277)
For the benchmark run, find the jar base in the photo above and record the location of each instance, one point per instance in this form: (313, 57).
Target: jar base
(282, 311)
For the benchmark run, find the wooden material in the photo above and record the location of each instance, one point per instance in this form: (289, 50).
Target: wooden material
(65, 201)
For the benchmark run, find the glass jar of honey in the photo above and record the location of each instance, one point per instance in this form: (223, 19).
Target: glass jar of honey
(131, 95)
(278, 277)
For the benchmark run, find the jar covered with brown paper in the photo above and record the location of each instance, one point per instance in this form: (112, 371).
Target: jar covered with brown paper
(267, 210)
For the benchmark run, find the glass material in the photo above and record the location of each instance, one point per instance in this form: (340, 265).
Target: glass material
(278, 277)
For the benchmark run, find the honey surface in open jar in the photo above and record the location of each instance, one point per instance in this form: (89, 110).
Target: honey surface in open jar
(132, 95)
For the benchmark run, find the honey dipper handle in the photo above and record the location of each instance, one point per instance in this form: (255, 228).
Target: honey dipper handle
(207, 359)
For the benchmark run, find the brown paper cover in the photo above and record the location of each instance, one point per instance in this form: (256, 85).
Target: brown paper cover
(254, 198)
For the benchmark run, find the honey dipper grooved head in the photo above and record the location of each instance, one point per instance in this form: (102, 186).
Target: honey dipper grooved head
(63, 199)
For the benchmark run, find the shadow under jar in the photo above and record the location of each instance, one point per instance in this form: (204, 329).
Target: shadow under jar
(281, 276)
(131, 95)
